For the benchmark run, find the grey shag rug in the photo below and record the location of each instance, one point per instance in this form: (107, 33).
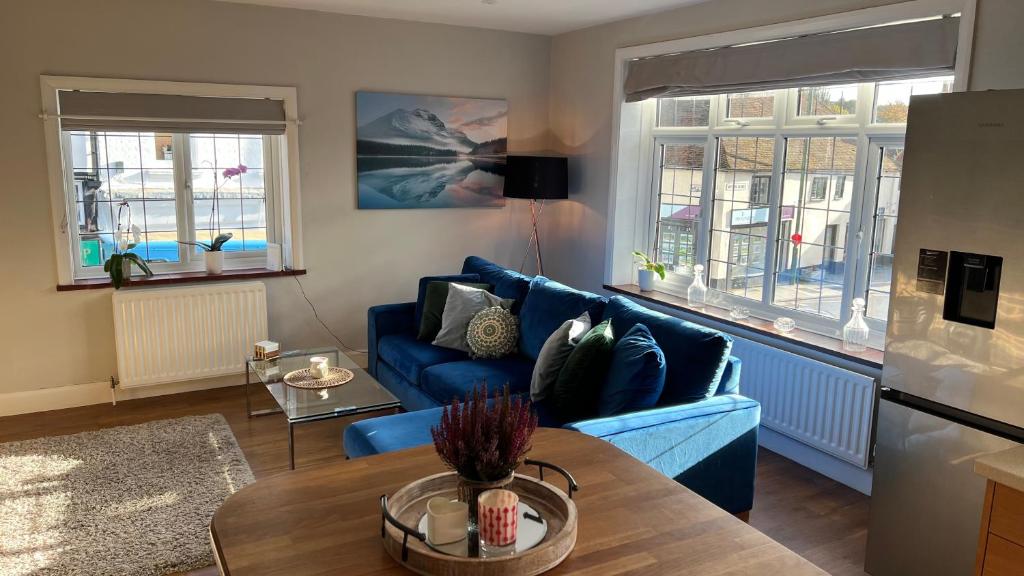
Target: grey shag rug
(132, 500)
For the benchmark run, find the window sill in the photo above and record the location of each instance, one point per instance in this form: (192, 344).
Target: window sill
(180, 278)
(870, 358)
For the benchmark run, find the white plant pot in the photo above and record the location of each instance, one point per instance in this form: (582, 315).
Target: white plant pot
(646, 280)
(214, 262)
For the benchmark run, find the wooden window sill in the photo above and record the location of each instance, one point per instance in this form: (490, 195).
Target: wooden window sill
(870, 358)
(180, 278)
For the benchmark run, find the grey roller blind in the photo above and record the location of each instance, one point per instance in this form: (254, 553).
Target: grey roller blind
(898, 51)
(169, 113)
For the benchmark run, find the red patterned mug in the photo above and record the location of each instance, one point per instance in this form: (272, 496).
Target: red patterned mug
(498, 517)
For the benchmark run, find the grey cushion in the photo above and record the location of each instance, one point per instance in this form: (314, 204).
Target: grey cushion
(493, 333)
(554, 353)
(461, 306)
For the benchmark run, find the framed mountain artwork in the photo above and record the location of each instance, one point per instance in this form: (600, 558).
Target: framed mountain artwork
(430, 151)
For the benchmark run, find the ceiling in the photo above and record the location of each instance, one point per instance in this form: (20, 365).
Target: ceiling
(548, 17)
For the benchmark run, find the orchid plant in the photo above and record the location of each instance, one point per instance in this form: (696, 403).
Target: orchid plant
(217, 242)
(119, 264)
(647, 264)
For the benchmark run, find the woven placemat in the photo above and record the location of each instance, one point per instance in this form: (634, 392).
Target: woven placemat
(304, 379)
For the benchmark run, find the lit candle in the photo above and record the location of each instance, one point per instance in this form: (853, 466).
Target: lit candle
(318, 367)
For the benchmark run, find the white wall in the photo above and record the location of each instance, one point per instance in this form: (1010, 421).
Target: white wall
(581, 101)
(355, 258)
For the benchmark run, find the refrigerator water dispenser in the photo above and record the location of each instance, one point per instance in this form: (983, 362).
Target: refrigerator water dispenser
(972, 289)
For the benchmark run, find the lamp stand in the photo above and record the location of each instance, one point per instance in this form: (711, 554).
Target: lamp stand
(534, 237)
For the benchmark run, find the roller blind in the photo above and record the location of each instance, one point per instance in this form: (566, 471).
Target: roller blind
(169, 113)
(897, 51)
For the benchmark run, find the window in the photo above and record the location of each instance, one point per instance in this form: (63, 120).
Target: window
(679, 203)
(163, 188)
(839, 189)
(798, 216)
(819, 187)
(132, 179)
(759, 189)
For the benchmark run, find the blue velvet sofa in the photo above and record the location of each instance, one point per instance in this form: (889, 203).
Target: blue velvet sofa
(702, 432)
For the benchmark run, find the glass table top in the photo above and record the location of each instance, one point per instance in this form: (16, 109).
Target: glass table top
(360, 394)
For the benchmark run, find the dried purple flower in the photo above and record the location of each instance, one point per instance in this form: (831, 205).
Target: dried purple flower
(482, 440)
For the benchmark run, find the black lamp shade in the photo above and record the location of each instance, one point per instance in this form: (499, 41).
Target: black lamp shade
(537, 177)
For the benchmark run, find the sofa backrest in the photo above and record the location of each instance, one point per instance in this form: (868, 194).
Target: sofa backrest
(548, 304)
(507, 283)
(695, 356)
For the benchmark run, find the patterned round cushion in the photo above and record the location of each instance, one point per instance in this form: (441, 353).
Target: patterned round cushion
(493, 333)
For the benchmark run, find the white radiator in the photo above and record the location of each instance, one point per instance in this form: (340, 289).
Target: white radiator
(187, 333)
(820, 405)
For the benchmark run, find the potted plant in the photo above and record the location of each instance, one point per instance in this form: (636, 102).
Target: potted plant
(648, 268)
(484, 442)
(213, 249)
(119, 264)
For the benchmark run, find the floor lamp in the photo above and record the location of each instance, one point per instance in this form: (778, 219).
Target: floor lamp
(536, 178)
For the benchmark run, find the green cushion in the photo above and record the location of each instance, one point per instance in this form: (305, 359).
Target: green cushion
(578, 389)
(493, 333)
(433, 307)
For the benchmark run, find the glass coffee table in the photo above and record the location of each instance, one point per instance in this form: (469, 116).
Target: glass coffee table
(359, 395)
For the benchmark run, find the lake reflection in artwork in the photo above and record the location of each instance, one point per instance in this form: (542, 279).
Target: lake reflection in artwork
(430, 152)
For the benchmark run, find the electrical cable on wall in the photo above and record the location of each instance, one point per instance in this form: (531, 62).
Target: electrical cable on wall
(316, 315)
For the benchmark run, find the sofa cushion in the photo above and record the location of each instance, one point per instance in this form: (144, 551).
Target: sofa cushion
(421, 292)
(579, 384)
(636, 375)
(408, 356)
(390, 433)
(548, 305)
(506, 283)
(492, 333)
(433, 306)
(554, 353)
(445, 382)
(462, 304)
(695, 355)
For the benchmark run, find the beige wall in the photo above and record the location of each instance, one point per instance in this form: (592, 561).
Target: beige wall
(355, 258)
(581, 101)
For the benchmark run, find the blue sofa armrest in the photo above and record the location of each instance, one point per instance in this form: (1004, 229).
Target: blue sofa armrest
(730, 383)
(383, 320)
(708, 446)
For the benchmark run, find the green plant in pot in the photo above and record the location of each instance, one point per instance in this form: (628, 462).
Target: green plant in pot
(484, 441)
(648, 268)
(119, 264)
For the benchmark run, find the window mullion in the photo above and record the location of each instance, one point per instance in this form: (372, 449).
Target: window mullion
(707, 203)
(774, 217)
(182, 159)
(855, 244)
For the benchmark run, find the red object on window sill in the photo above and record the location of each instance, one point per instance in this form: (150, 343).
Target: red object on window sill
(179, 278)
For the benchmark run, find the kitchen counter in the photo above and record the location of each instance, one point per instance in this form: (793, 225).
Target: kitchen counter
(1006, 467)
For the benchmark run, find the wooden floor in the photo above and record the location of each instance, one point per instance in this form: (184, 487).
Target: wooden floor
(817, 518)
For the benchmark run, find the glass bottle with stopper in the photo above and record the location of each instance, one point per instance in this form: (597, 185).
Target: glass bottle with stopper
(856, 331)
(697, 293)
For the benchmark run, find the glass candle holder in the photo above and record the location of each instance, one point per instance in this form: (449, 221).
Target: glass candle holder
(498, 518)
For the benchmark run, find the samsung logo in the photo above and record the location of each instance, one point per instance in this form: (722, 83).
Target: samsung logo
(991, 125)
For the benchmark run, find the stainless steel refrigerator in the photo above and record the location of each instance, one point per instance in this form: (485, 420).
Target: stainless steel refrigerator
(953, 377)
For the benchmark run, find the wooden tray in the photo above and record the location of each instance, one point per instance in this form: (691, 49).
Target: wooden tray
(402, 512)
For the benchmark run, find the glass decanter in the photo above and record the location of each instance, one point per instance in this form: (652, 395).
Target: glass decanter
(697, 293)
(856, 331)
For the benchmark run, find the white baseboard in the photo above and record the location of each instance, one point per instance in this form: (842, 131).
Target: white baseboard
(822, 463)
(44, 399)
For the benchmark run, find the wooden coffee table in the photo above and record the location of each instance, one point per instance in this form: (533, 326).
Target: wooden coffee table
(326, 519)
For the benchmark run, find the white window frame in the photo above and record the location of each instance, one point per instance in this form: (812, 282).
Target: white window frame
(281, 175)
(632, 182)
